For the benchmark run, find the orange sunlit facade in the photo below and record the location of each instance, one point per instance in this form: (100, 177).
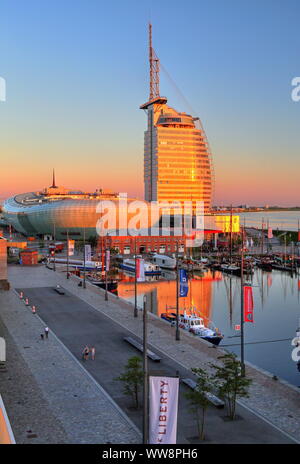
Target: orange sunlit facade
(177, 163)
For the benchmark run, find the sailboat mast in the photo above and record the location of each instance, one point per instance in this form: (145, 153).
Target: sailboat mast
(230, 236)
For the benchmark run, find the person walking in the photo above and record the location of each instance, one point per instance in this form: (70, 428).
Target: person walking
(93, 352)
(85, 353)
(46, 331)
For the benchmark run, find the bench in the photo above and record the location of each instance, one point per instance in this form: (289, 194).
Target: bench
(139, 346)
(59, 290)
(213, 399)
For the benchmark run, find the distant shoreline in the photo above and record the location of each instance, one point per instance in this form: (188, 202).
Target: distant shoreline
(269, 210)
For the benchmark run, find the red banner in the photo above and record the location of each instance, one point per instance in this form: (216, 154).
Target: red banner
(140, 270)
(248, 304)
(270, 232)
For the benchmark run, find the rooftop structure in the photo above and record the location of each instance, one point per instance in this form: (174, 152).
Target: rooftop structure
(177, 159)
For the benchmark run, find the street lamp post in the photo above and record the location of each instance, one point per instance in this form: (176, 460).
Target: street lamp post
(135, 281)
(106, 261)
(67, 254)
(84, 282)
(145, 372)
(242, 306)
(177, 334)
(54, 266)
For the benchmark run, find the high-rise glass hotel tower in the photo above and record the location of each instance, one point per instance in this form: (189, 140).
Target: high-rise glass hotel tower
(177, 161)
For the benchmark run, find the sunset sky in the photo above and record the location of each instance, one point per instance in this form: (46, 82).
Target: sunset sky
(77, 71)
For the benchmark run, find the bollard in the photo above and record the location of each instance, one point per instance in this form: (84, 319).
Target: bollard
(26, 301)
(21, 295)
(33, 310)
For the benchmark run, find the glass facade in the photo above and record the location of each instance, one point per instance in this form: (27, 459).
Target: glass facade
(177, 163)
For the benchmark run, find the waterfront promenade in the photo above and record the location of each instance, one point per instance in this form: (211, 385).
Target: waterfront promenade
(67, 395)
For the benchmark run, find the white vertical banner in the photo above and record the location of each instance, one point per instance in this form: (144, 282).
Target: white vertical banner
(163, 408)
(107, 260)
(140, 270)
(88, 252)
(71, 246)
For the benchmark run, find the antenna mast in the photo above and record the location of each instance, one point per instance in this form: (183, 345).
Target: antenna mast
(154, 69)
(53, 180)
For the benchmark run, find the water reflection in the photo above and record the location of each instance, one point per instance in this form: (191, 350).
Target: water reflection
(216, 297)
(161, 294)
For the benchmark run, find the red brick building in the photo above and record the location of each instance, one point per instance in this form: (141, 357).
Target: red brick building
(126, 245)
(29, 257)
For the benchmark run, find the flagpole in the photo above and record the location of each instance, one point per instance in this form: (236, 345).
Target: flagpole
(84, 283)
(106, 293)
(298, 240)
(145, 372)
(268, 249)
(177, 335)
(262, 236)
(135, 281)
(230, 247)
(242, 307)
(54, 235)
(67, 253)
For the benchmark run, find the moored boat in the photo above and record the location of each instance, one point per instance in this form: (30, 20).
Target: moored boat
(236, 269)
(194, 324)
(265, 265)
(150, 268)
(163, 261)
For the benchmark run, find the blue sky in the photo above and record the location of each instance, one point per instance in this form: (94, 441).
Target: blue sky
(77, 71)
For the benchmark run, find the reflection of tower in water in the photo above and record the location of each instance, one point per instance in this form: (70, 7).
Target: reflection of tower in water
(162, 294)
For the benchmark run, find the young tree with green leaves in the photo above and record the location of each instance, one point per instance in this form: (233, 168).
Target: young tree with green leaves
(133, 378)
(231, 382)
(198, 398)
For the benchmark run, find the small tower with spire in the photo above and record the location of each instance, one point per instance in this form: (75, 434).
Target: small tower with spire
(53, 180)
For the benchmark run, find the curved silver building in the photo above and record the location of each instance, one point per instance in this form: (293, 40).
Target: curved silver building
(57, 211)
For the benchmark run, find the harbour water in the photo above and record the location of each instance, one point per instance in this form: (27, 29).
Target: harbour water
(216, 297)
(282, 220)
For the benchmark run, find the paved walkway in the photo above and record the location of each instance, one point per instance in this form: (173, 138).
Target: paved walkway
(47, 391)
(77, 323)
(277, 402)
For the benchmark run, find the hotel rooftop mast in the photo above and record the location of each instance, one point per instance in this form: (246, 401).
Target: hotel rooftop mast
(177, 162)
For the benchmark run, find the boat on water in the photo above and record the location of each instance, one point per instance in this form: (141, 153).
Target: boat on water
(282, 267)
(265, 264)
(112, 284)
(194, 324)
(164, 261)
(78, 265)
(150, 268)
(191, 265)
(235, 269)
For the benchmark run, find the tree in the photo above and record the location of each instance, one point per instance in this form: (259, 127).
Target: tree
(231, 383)
(93, 240)
(132, 378)
(198, 398)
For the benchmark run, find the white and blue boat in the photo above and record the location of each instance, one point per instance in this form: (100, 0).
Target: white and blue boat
(150, 268)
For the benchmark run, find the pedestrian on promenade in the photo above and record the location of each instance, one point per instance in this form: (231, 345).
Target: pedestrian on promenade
(85, 353)
(46, 331)
(42, 336)
(93, 352)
